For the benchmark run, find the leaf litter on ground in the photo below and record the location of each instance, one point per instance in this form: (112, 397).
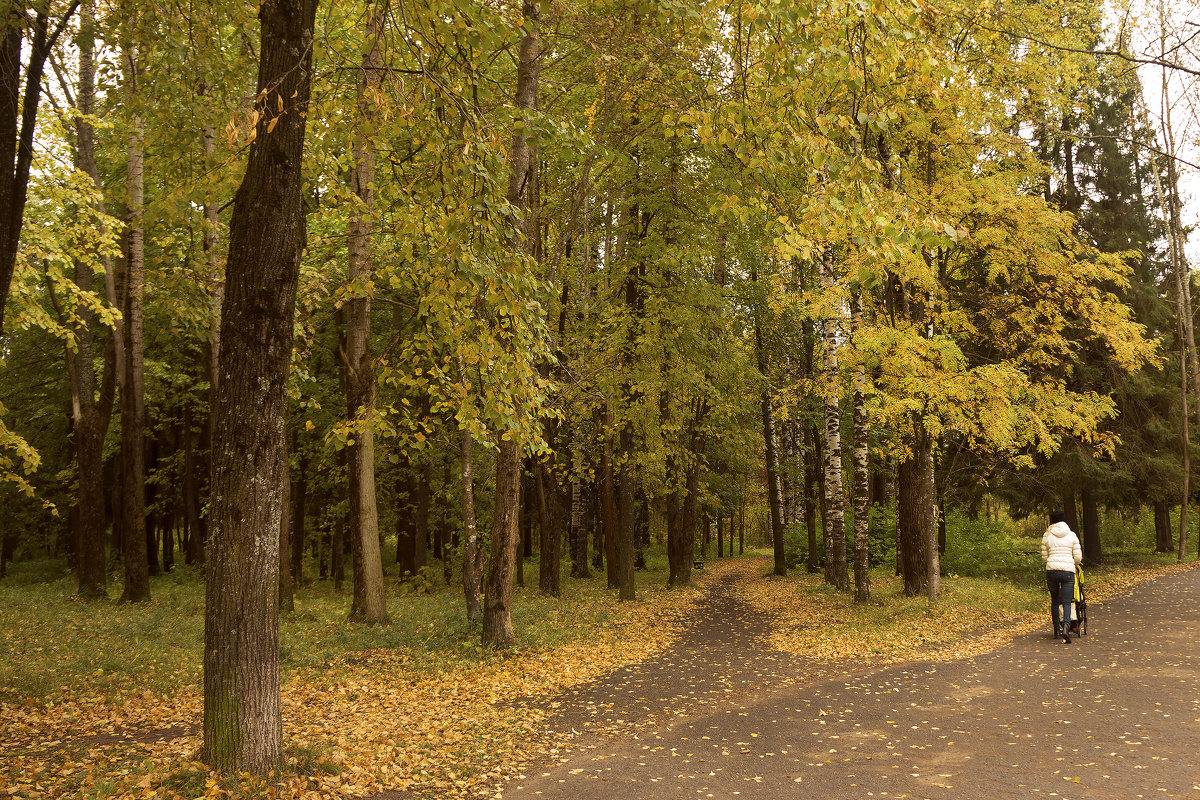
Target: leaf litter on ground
(443, 718)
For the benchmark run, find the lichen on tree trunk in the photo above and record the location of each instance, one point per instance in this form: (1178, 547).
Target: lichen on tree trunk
(242, 708)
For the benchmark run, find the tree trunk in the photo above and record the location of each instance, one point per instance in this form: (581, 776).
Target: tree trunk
(528, 506)
(596, 523)
(1070, 510)
(133, 413)
(243, 728)
(608, 500)
(626, 521)
(337, 553)
(813, 563)
(89, 421)
(367, 605)
(836, 572)
(16, 143)
(1189, 359)
(861, 488)
(168, 539)
(498, 591)
(578, 525)
(550, 516)
(641, 527)
(299, 498)
(421, 517)
(471, 552)
(194, 543)
(1163, 540)
(917, 537)
(406, 520)
(774, 498)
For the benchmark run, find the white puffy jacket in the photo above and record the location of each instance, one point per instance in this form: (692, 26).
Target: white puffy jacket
(1060, 547)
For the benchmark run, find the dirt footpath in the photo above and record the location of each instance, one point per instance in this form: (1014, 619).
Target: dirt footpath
(1115, 714)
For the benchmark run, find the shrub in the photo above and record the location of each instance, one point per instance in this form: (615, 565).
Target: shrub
(979, 548)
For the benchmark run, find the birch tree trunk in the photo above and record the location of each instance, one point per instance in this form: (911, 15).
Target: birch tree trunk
(471, 549)
(862, 497)
(836, 571)
(243, 727)
(1189, 360)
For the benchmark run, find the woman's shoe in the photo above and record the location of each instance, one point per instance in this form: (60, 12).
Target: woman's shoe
(1066, 637)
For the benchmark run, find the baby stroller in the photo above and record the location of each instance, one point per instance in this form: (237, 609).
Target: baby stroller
(1078, 626)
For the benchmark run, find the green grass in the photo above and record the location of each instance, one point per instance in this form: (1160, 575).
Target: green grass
(54, 642)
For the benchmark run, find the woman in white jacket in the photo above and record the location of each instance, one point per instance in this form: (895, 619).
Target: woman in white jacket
(1061, 553)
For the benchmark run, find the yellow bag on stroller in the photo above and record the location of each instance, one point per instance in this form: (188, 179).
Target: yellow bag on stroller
(1079, 606)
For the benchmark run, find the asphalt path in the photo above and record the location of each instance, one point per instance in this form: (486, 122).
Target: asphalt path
(1115, 714)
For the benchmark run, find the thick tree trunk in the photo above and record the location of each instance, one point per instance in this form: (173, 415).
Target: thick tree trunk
(917, 531)
(674, 509)
(1069, 509)
(367, 605)
(243, 727)
(133, 413)
(1164, 542)
(550, 516)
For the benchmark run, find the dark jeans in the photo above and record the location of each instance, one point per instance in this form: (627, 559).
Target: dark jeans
(1062, 592)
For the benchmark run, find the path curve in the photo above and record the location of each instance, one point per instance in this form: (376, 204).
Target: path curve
(719, 715)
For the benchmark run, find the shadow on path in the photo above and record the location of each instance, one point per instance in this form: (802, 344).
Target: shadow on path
(721, 656)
